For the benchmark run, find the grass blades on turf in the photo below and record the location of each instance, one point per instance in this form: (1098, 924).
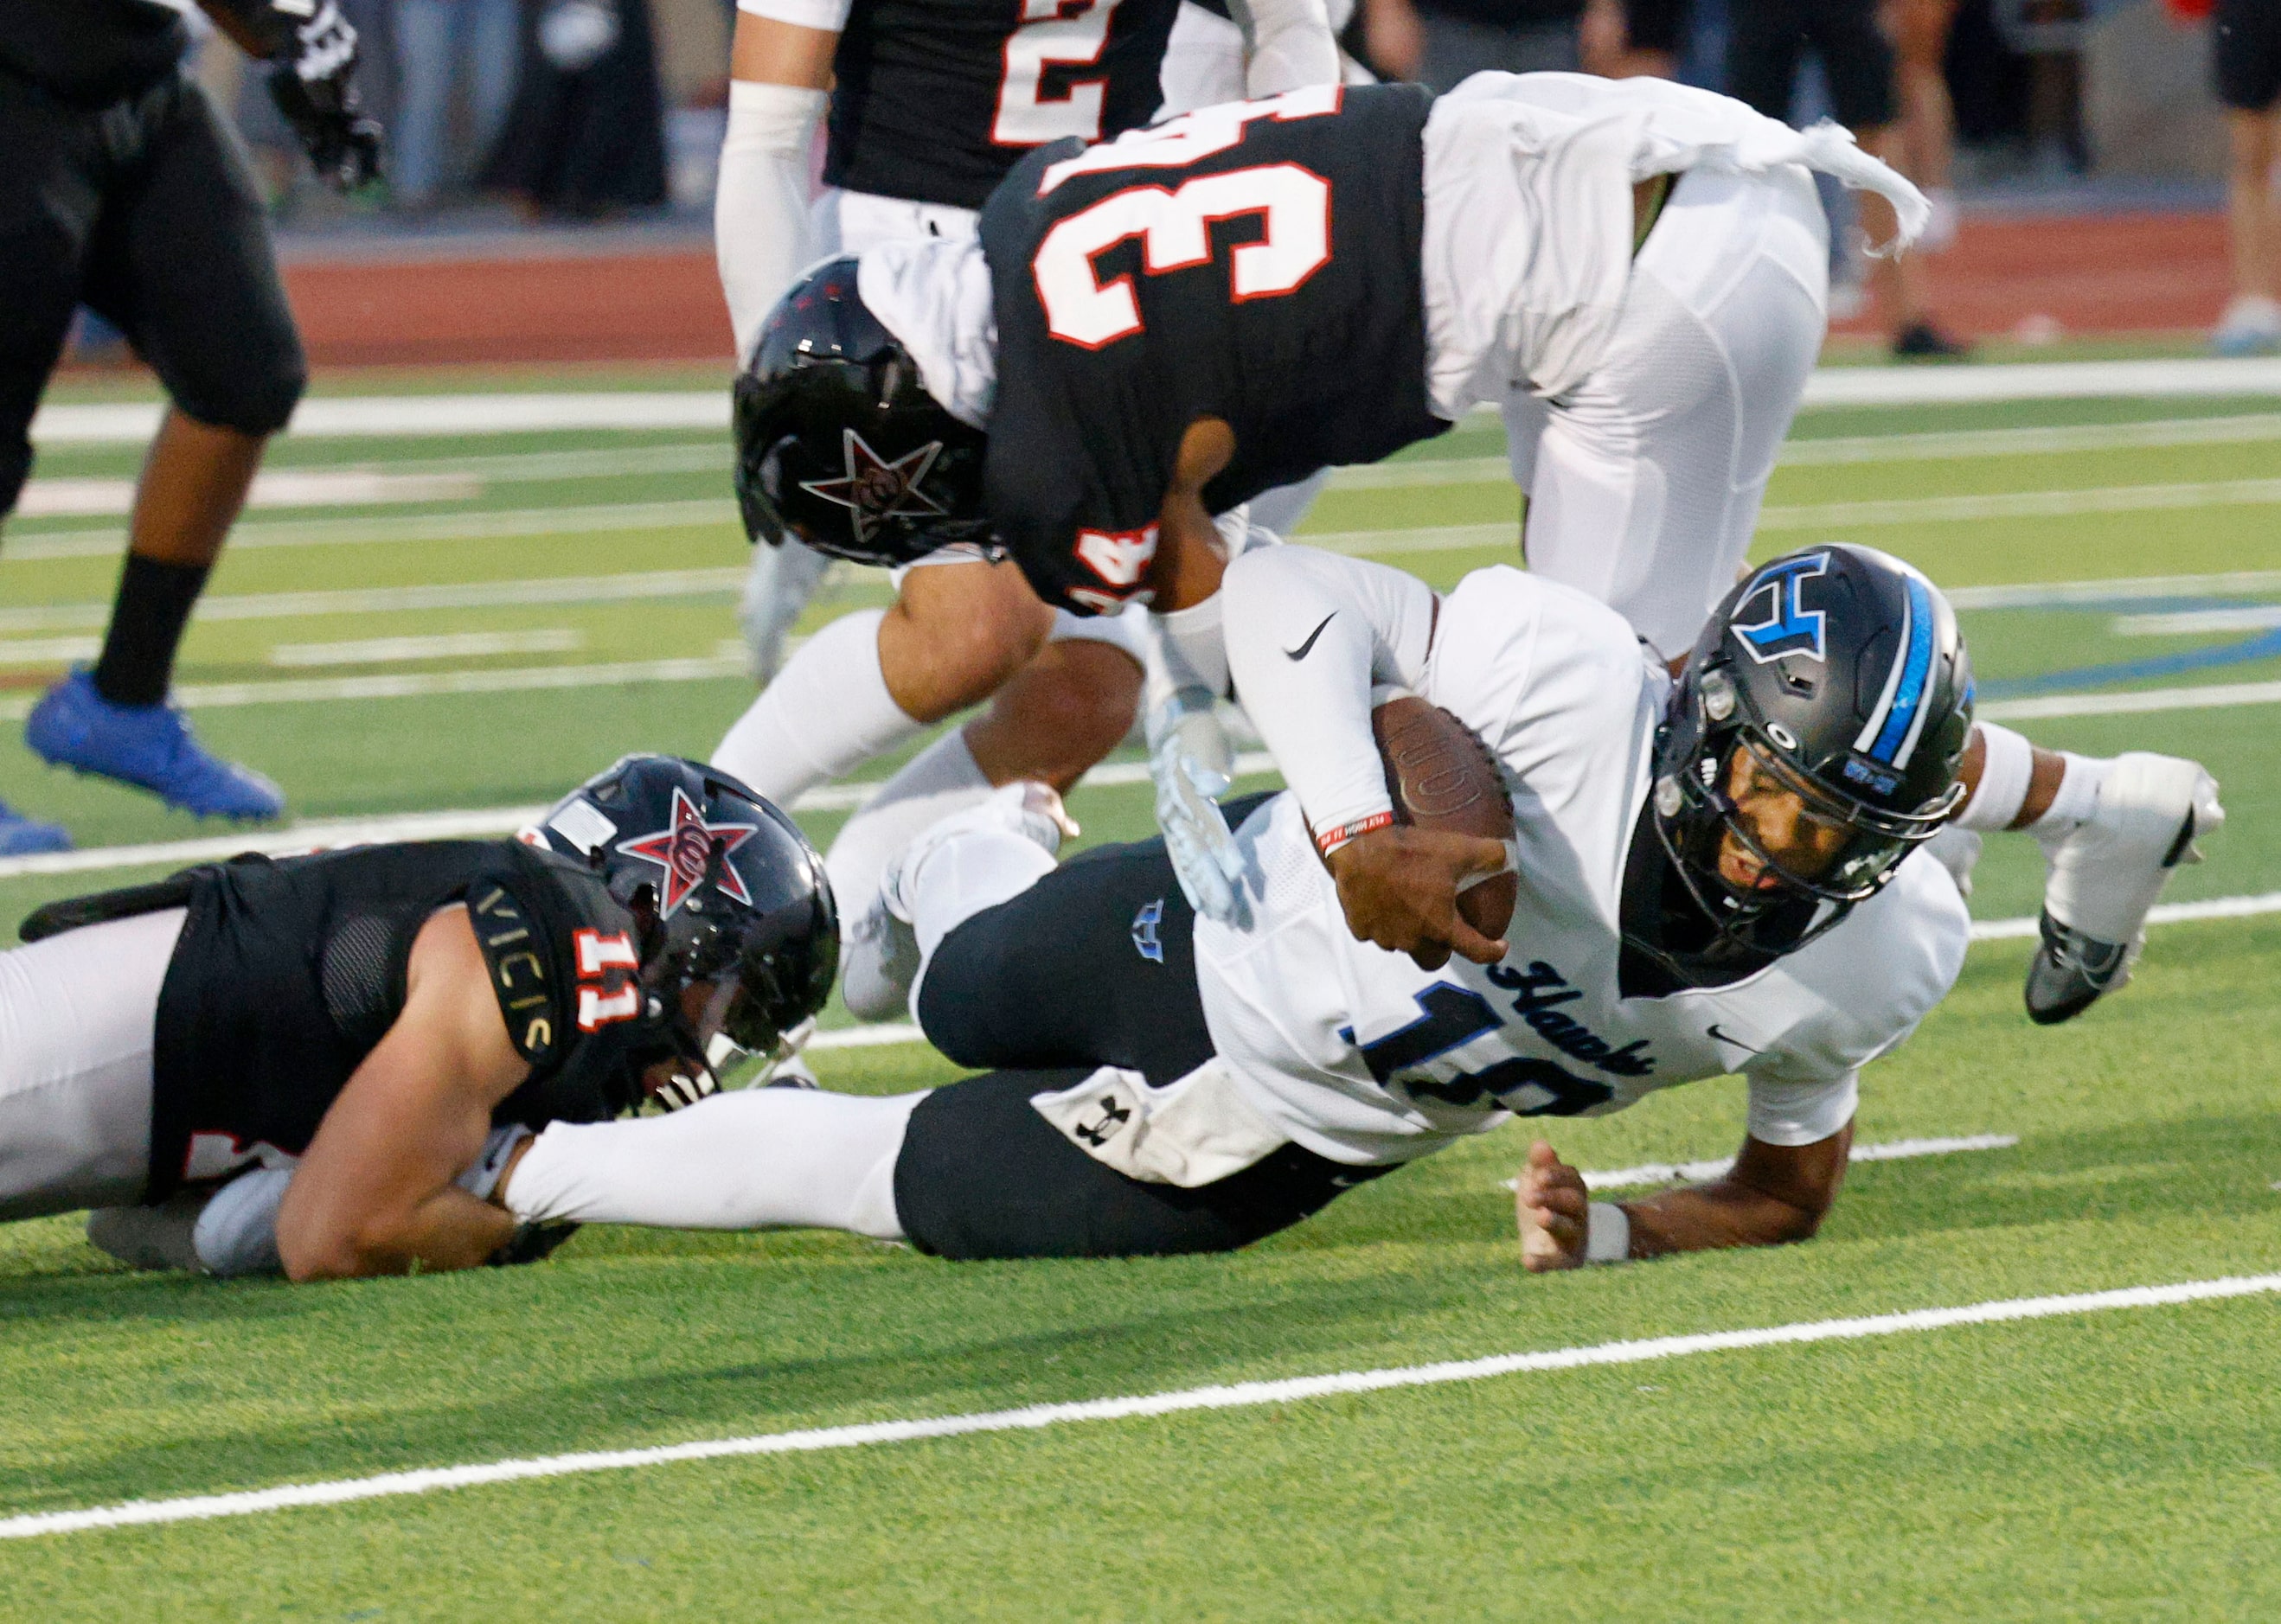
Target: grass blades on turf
(2121, 1466)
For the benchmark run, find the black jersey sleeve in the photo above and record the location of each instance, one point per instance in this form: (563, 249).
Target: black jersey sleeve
(1256, 263)
(565, 964)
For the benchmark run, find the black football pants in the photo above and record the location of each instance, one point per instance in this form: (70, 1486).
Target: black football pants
(146, 212)
(1093, 966)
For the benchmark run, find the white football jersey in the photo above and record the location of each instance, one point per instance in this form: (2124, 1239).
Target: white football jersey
(1362, 1057)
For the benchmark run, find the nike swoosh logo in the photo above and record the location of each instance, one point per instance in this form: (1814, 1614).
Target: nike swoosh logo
(1301, 651)
(1721, 1037)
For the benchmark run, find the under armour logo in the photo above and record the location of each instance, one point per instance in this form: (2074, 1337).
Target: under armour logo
(1787, 625)
(1101, 1132)
(1144, 931)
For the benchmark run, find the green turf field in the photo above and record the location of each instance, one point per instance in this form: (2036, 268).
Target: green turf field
(2126, 1464)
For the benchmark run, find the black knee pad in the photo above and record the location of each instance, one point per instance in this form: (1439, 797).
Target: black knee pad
(254, 394)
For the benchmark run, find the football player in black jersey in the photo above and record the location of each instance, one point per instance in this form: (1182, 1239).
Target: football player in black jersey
(928, 103)
(122, 188)
(1153, 330)
(319, 1063)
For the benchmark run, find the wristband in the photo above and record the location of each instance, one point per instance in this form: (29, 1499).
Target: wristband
(1331, 839)
(1607, 1233)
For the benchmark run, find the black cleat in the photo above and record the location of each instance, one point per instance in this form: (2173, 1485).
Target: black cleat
(2071, 971)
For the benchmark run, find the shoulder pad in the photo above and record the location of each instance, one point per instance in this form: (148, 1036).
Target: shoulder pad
(562, 953)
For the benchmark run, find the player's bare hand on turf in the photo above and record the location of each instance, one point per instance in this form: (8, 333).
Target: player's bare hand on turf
(1399, 888)
(1553, 1209)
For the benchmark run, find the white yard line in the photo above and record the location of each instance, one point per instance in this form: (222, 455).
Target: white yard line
(1238, 1396)
(444, 645)
(277, 488)
(2058, 594)
(714, 583)
(1845, 450)
(472, 823)
(337, 416)
(487, 525)
(1933, 386)
(415, 416)
(1690, 1172)
(2214, 695)
(425, 684)
(2024, 504)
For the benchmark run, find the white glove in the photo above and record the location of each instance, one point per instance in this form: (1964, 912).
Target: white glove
(1192, 763)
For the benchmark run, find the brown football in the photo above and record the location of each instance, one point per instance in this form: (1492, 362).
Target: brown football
(1441, 776)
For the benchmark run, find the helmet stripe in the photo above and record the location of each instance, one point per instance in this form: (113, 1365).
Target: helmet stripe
(1897, 737)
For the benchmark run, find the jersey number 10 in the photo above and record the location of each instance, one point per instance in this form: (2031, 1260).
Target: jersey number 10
(1174, 225)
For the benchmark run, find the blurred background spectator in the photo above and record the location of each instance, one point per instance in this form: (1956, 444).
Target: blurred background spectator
(586, 136)
(2245, 53)
(473, 46)
(1441, 41)
(1766, 45)
(1926, 125)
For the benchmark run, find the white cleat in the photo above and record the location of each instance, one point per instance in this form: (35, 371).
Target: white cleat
(782, 583)
(2106, 873)
(882, 961)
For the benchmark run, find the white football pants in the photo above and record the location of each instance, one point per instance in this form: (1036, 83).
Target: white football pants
(77, 1019)
(1644, 484)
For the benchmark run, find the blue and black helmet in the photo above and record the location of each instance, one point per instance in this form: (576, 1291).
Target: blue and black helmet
(1840, 671)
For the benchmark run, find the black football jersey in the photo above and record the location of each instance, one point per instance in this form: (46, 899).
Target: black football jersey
(936, 99)
(289, 972)
(90, 51)
(1256, 263)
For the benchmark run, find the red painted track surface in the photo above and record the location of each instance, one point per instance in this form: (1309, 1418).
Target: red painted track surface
(639, 306)
(2091, 274)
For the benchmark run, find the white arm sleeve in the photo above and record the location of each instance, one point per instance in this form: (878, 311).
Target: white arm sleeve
(1794, 1113)
(1309, 634)
(760, 212)
(1290, 45)
(824, 16)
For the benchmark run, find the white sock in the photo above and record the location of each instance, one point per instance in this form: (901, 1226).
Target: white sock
(758, 1158)
(827, 714)
(2008, 761)
(979, 868)
(940, 780)
(2076, 798)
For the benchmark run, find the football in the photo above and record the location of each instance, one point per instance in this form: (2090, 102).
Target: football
(1441, 776)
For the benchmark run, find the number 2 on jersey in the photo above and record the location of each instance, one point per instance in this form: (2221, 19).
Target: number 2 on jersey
(1052, 31)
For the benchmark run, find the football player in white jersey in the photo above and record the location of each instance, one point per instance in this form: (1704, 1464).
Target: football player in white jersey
(1712, 874)
(1652, 347)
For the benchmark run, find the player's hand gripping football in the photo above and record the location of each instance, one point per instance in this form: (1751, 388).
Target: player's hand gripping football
(1193, 764)
(312, 87)
(1553, 1209)
(1399, 887)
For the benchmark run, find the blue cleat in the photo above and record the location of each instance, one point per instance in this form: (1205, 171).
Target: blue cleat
(150, 746)
(22, 837)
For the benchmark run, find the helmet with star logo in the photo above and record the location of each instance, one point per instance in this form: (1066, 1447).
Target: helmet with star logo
(838, 443)
(740, 937)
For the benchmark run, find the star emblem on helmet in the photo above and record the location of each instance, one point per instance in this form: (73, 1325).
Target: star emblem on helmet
(683, 849)
(874, 489)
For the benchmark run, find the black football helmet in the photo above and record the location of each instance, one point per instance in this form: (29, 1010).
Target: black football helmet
(725, 890)
(838, 444)
(1841, 672)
